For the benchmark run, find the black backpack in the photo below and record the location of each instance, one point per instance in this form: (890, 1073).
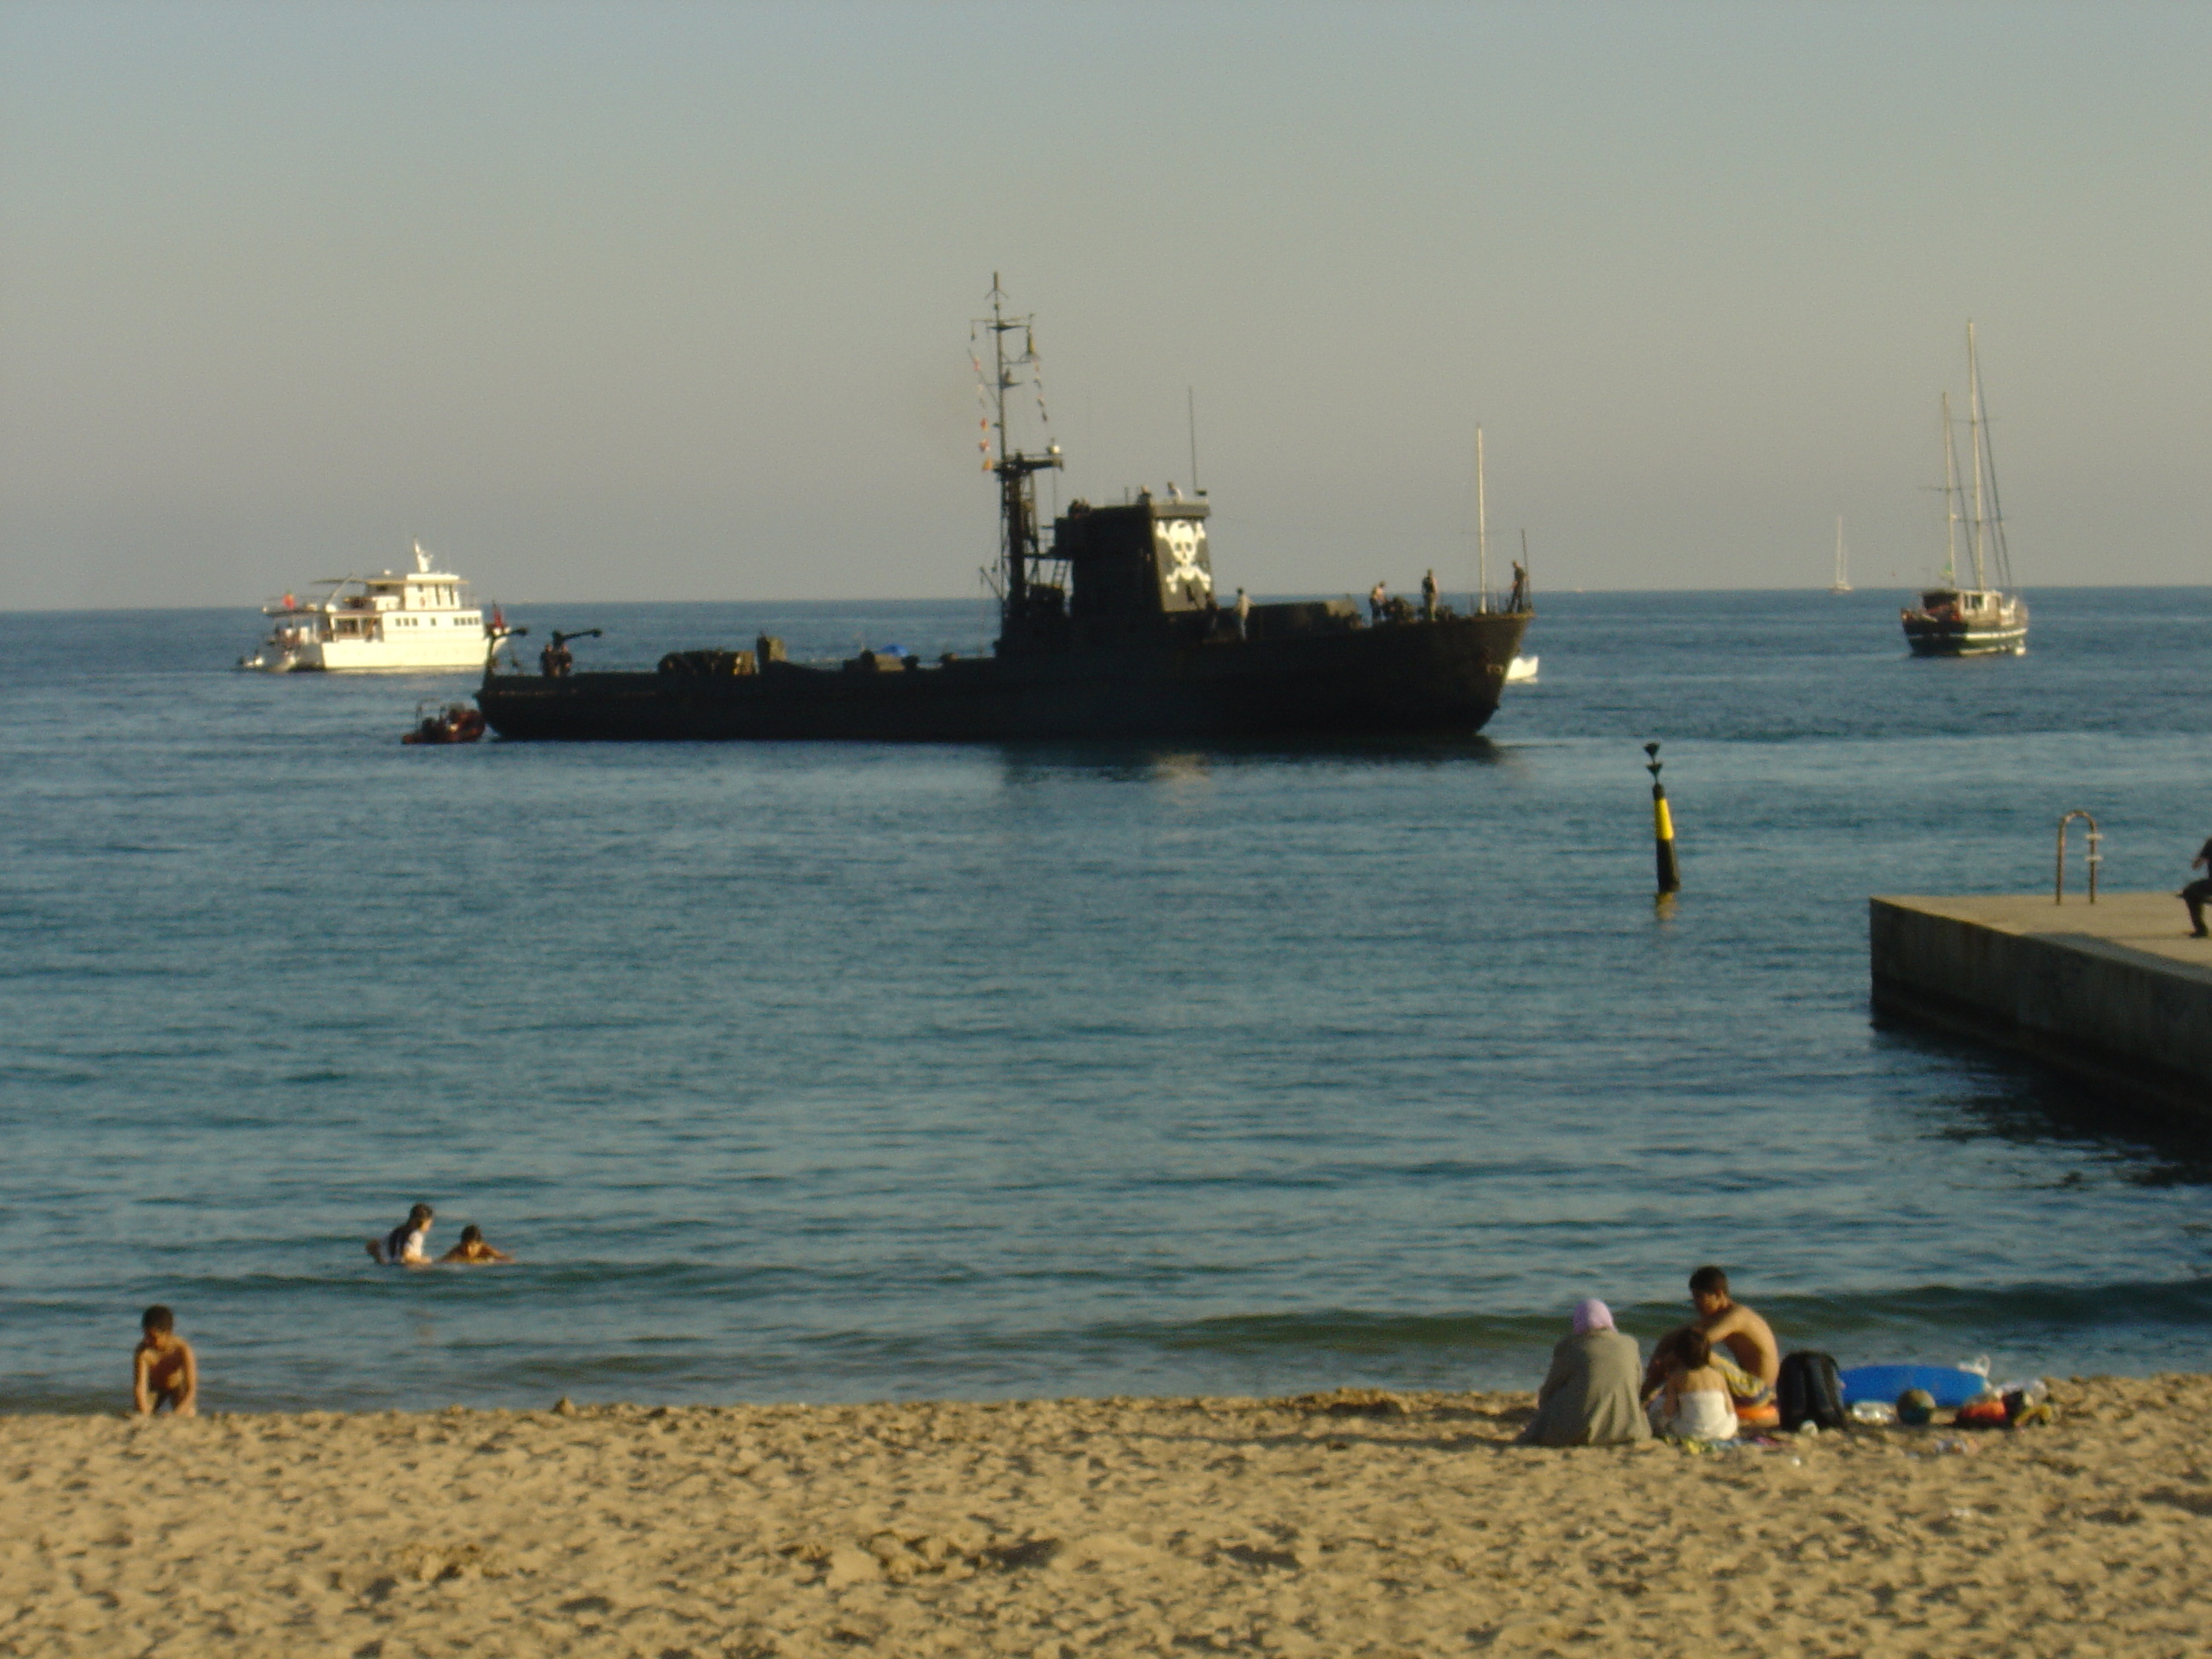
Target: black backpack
(1810, 1390)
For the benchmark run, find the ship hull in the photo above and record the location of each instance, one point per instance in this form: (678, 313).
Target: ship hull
(1933, 638)
(1419, 677)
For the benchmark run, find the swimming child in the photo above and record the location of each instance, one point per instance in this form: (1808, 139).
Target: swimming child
(163, 1372)
(472, 1250)
(404, 1246)
(1695, 1403)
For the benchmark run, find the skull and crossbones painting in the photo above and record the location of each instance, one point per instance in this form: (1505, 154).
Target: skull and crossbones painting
(1184, 578)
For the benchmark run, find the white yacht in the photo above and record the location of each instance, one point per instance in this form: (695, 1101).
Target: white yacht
(419, 619)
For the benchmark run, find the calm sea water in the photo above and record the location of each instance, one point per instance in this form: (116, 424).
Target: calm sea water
(827, 1072)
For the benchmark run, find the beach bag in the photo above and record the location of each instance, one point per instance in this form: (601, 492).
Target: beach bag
(1810, 1390)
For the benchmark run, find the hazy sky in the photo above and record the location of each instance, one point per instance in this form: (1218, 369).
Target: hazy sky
(673, 300)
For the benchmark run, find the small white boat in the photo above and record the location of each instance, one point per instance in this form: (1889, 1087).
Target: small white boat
(419, 619)
(1521, 670)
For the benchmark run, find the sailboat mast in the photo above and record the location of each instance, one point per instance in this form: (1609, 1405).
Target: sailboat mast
(1974, 421)
(1481, 530)
(1842, 572)
(1951, 502)
(2002, 561)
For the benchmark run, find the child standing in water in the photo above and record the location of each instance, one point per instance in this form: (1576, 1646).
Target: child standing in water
(163, 1370)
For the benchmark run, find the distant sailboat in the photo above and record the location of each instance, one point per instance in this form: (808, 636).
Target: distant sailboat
(1842, 582)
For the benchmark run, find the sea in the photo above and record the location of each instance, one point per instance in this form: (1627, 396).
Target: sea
(842, 1071)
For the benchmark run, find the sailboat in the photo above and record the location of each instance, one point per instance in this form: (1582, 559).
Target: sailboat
(1984, 620)
(1842, 582)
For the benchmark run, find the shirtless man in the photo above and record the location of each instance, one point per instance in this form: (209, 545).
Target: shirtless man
(163, 1370)
(472, 1250)
(1727, 1324)
(1734, 1326)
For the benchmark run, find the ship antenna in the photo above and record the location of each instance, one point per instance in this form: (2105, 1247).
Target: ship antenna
(1481, 529)
(1190, 403)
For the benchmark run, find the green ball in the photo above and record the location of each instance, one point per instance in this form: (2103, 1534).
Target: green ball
(1915, 1406)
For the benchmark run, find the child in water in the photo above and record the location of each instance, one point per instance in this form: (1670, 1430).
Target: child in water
(163, 1372)
(472, 1250)
(1695, 1403)
(405, 1245)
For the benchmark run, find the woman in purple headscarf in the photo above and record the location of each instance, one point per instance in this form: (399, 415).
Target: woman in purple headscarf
(1590, 1397)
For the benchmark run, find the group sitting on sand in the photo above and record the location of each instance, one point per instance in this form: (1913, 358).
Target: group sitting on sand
(408, 1245)
(1706, 1381)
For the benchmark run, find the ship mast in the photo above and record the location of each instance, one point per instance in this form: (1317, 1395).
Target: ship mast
(1018, 547)
(1974, 419)
(1481, 530)
(2003, 560)
(1951, 504)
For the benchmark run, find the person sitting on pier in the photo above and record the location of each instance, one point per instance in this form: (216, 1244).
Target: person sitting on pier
(1743, 1349)
(2198, 891)
(1429, 597)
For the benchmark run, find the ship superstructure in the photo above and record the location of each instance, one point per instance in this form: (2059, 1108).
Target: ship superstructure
(416, 620)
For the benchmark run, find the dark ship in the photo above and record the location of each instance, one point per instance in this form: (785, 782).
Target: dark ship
(1112, 628)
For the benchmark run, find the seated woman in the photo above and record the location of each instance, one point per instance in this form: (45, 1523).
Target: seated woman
(1694, 1404)
(1753, 1401)
(1588, 1399)
(471, 1250)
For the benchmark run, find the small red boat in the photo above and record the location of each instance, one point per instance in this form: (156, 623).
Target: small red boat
(460, 723)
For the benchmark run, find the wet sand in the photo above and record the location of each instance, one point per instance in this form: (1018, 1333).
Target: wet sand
(1352, 1524)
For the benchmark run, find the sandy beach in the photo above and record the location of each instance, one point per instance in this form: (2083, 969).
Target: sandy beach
(1352, 1524)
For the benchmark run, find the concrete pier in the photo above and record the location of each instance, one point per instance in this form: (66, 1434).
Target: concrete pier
(2117, 993)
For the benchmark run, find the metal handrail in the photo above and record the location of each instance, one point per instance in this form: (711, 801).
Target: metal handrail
(2095, 858)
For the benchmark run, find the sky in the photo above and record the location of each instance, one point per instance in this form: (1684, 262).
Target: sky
(673, 301)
